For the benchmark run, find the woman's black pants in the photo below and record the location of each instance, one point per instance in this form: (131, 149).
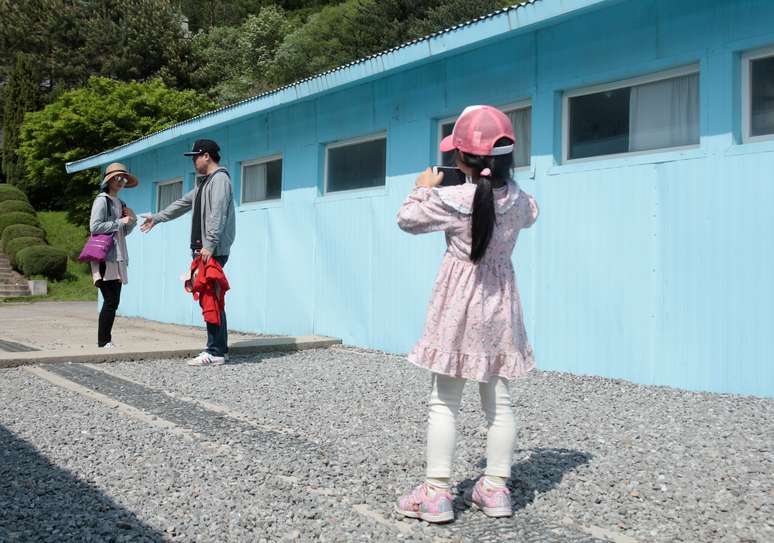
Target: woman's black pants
(111, 296)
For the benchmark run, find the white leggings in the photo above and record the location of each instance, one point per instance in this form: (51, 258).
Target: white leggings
(441, 428)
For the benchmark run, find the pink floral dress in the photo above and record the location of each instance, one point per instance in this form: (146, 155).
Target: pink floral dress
(474, 327)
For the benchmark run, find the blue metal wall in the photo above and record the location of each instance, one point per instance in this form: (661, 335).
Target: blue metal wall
(652, 268)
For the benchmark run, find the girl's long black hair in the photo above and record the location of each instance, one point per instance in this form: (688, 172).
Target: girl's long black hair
(483, 223)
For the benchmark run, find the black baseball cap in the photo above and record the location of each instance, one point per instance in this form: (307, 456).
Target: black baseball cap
(203, 146)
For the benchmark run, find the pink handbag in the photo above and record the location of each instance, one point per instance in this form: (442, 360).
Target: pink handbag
(99, 245)
(97, 248)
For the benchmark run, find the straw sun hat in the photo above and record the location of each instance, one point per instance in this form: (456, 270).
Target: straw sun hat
(115, 169)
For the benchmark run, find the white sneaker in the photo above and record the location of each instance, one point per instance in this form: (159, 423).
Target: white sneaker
(206, 359)
(109, 345)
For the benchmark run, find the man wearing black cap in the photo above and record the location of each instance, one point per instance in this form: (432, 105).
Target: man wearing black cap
(213, 228)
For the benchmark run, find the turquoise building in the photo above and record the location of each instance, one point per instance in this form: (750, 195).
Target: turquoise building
(646, 132)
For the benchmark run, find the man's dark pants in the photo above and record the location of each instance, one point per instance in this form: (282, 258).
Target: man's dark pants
(217, 336)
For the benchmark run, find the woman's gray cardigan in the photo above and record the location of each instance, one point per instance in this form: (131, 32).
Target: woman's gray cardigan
(105, 219)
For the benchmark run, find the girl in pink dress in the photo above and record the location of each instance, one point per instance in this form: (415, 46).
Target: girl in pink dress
(474, 328)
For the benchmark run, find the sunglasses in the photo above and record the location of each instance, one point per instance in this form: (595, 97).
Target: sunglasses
(121, 179)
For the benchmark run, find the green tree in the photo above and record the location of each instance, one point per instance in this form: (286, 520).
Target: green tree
(213, 55)
(259, 38)
(447, 13)
(233, 63)
(353, 29)
(328, 39)
(70, 40)
(21, 94)
(207, 15)
(103, 114)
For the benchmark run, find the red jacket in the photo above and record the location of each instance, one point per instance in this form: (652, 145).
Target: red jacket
(208, 284)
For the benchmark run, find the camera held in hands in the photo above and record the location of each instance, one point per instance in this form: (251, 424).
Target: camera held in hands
(451, 176)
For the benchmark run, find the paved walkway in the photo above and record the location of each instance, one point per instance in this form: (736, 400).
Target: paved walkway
(66, 332)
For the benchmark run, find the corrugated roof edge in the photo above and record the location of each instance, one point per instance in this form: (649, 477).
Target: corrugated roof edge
(92, 161)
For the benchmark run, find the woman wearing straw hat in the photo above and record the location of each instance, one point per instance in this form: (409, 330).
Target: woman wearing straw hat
(109, 215)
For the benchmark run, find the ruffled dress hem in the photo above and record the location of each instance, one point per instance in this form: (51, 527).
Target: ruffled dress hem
(473, 366)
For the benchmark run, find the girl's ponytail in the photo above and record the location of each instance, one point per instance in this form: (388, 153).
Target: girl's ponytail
(483, 221)
(486, 169)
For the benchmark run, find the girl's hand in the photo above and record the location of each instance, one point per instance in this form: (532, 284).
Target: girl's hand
(129, 212)
(428, 179)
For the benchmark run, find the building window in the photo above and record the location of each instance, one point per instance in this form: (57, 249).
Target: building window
(521, 118)
(643, 114)
(167, 192)
(262, 180)
(758, 95)
(356, 164)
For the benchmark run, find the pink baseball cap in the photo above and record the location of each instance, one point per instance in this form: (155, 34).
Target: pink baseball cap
(477, 130)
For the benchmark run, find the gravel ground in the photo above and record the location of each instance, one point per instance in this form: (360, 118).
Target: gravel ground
(343, 427)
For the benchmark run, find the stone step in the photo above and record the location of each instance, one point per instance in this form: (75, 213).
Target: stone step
(15, 285)
(15, 288)
(7, 292)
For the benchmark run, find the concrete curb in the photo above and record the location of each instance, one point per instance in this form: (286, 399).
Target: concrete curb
(97, 356)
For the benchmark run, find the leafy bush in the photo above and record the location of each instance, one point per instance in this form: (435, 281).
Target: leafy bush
(17, 244)
(101, 114)
(16, 205)
(61, 233)
(42, 260)
(9, 192)
(17, 217)
(78, 283)
(20, 231)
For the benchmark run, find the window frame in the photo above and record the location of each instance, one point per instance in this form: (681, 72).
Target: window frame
(439, 136)
(354, 141)
(255, 162)
(746, 60)
(507, 108)
(622, 84)
(180, 179)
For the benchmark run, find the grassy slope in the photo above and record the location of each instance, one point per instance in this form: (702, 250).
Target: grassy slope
(78, 284)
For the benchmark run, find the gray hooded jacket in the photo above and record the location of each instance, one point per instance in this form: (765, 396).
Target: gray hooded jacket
(218, 215)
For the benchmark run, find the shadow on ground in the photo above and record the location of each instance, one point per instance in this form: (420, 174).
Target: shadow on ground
(540, 473)
(42, 502)
(257, 358)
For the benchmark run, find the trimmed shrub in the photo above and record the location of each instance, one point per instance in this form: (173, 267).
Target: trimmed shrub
(20, 231)
(9, 192)
(42, 260)
(17, 217)
(17, 244)
(16, 205)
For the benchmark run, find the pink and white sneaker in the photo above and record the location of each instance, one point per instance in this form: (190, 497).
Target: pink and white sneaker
(428, 504)
(492, 500)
